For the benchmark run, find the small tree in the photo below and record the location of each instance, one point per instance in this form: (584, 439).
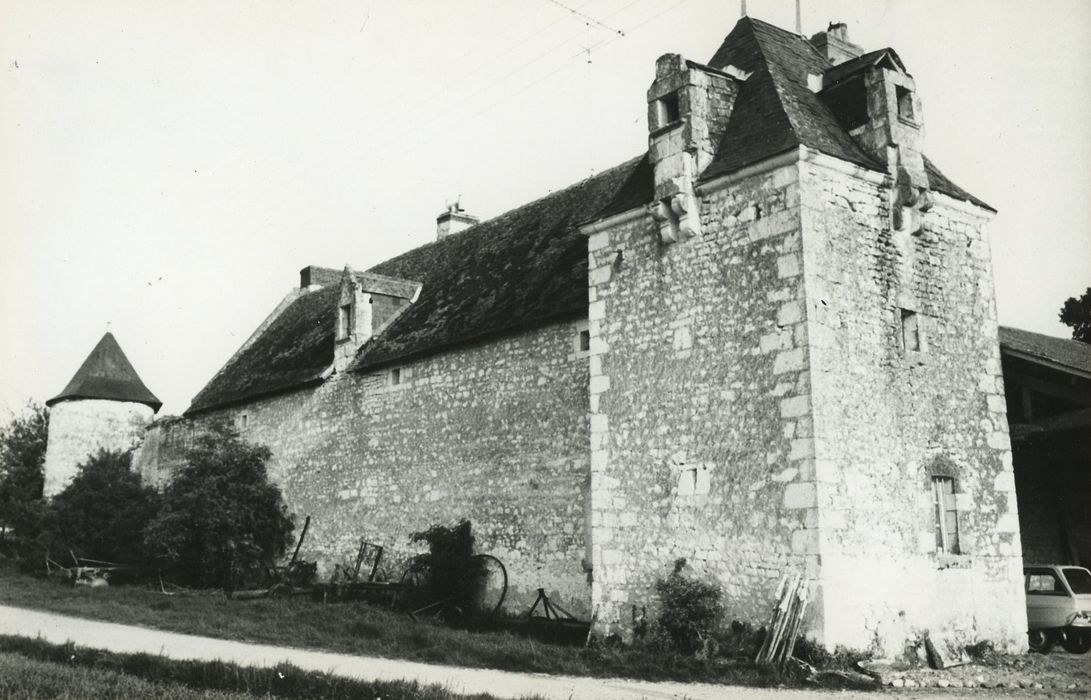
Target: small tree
(22, 459)
(220, 514)
(1076, 314)
(103, 512)
(690, 611)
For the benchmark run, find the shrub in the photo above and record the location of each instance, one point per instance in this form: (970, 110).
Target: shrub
(451, 569)
(220, 514)
(102, 513)
(690, 610)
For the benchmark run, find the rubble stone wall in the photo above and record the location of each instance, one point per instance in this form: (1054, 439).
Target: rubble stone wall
(700, 428)
(887, 419)
(495, 432)
(80, 427)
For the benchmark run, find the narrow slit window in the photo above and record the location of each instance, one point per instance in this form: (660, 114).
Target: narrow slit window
(669, 111)
(585, 340)
(344, 321)
(911, 331)
(396, 376)
(905, 103)
(943, 496)
(244, 421)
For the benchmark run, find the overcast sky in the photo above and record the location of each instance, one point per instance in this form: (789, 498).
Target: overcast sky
(166, 168)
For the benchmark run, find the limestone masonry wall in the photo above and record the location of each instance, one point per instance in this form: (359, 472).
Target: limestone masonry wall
(495, 432)
(888, 418)
(78, 428)
(700, 401)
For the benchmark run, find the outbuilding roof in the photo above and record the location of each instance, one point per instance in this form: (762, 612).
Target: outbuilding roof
(1061, 353)
(107, 375)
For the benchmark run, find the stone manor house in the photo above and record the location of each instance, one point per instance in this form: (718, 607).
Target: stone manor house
(768, 344)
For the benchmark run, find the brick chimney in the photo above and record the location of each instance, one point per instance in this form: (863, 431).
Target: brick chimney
(688, 108)
(453, 220)
(834, 43)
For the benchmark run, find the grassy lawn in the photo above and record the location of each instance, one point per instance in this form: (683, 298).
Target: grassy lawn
(359, 628)
(31, 668)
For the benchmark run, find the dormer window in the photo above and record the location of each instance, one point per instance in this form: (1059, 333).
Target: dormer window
(669, 111)
(905, 104)
(344, 321)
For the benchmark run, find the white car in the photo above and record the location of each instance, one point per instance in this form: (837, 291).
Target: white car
(1058, 607)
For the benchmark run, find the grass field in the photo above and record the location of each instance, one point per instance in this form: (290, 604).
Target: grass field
(31, 668)
(359, 628)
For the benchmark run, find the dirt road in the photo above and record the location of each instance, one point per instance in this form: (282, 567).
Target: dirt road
(129, 639)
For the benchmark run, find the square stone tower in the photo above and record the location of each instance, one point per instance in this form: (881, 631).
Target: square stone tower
(794, 357)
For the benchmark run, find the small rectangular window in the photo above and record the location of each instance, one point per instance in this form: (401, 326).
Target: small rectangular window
(668, 109)
(344, 321)
(911, 331)
(244, 421)
(585, 341)
(396, 376)
(943, 496)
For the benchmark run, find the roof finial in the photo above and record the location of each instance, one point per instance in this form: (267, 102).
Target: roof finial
(799, 18)
(742, 8)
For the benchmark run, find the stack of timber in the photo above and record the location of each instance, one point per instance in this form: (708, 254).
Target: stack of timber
(785, 622)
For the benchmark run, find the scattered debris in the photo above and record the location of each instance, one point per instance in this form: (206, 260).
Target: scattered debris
(944, 651)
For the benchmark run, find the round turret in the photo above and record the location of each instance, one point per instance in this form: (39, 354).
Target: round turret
(105, 406)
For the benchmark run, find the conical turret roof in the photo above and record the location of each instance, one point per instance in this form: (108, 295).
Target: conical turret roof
(107, 374)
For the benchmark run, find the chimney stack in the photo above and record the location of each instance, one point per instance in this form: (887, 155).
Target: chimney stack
(453, 220)
(834, 44)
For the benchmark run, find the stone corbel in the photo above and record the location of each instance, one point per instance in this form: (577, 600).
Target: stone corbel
(677, 216)
(910, 202)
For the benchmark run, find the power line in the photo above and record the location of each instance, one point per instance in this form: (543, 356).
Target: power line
(588, 18)
(450, 126)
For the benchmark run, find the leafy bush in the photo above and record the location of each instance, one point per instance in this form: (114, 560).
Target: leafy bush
(690, 610)
(220, 514)
(22, 459)
(102, 513)
(451, 569)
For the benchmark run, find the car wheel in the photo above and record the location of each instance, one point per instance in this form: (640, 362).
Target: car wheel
(1076, 642)
(1040, 641)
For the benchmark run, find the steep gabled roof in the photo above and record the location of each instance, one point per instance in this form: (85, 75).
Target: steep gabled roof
(107, 374)
(1061, 353)
(775, 111)
(880, 57)
(525, 267)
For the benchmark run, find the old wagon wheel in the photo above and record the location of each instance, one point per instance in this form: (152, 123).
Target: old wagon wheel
(495, 583)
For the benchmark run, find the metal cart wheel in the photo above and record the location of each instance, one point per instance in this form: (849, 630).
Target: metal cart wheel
(495, 587)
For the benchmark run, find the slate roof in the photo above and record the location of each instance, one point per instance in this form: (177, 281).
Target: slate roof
(525, 267)
(836, 74)
(529, 266)
(294, 351)
(775, 111)
(108, 375)
(1071, 354)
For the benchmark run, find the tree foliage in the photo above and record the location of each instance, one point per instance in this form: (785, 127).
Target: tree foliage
(219, 514)
(22, 459)
(1076, 314)
(102, 513)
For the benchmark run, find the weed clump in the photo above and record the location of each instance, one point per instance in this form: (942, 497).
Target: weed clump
(449, 567)
(690, 611)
